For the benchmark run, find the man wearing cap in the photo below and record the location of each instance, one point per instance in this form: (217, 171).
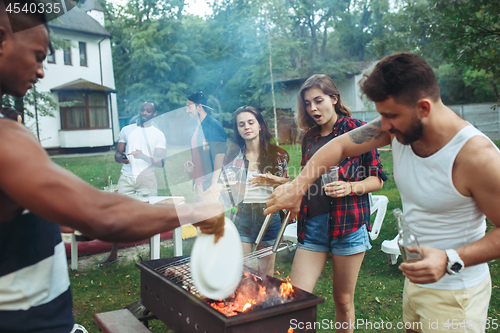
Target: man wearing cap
(208, 148)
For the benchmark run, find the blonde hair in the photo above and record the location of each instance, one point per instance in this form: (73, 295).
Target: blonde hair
(325, 83)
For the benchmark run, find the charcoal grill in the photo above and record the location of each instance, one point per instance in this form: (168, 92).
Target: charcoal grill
(175, 300)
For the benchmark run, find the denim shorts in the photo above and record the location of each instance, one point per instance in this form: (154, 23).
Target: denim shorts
(317, 238)
(249, 220)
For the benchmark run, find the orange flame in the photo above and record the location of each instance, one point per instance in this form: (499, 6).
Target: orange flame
(290, 330)
(218, 306)
(286, 288)
(249, 304)
(244, 302)
(262, 291)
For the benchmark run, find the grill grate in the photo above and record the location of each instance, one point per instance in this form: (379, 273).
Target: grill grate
(179, 273)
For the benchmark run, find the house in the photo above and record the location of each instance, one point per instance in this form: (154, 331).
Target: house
(81, 74)
(287, 89)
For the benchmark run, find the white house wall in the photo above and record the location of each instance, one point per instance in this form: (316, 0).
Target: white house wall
(58, 74)
(85, 138)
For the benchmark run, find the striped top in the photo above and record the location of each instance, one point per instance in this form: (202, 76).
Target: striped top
(35, 295)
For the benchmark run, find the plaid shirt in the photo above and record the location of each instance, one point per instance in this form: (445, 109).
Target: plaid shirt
(239, 165)
(349, 213)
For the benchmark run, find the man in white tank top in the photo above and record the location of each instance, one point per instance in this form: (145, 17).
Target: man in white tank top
(447, 174)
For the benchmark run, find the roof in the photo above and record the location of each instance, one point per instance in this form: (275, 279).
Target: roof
(89, 5)
(290, 78)
(77, 20)
(81, 84)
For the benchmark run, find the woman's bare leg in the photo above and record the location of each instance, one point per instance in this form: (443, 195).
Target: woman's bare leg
(306, 268)
(345, 276)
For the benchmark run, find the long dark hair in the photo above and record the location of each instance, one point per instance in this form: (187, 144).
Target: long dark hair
(325, 83)
(267, 146)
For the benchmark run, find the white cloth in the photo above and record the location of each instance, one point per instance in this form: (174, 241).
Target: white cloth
(258, 194)
(436, 212)
(146, 139)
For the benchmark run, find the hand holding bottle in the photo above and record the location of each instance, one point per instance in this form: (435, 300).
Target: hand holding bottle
(407, 240)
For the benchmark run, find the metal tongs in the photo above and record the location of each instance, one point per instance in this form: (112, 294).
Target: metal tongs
(263, 230)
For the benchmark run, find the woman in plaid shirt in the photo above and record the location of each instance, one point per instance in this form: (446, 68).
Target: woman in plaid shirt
(335, 218)
(252, 153)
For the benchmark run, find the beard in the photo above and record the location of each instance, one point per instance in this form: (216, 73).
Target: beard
(412, 134)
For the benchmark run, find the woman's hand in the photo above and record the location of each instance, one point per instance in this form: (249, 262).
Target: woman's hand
(338, 189)
(267, 180)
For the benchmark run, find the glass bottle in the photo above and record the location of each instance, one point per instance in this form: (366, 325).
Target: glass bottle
(206, 147)
(406, 238)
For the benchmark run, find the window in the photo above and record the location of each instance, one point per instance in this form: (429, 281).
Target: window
(88, 110)
(83, 53)
(51, 58)
(67, 55)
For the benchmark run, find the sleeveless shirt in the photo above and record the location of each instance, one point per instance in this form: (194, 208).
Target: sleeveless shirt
(436, 212)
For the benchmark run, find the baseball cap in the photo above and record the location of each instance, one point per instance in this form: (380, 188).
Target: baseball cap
(198, 98)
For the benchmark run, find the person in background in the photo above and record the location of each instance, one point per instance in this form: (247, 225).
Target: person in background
(141, 147)
(208, 147)
(253, 152)
(12, 114)
(37, 196)
(447, 174)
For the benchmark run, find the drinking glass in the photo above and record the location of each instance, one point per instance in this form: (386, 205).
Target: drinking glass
(231, 177)
(331, 176)
(143, 195)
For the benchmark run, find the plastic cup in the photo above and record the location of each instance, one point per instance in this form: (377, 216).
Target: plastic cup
(331, 176)
(231, 177)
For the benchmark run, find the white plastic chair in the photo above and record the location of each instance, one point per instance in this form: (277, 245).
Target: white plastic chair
(378, 204)
(392, 249)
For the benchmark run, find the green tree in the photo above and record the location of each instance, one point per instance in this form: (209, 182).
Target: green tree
(463, 33)
(150, 61)
(160, 54)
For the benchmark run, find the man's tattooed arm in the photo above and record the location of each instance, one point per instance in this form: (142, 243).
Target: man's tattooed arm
(366, 133)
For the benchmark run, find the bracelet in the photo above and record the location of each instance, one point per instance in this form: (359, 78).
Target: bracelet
(352, 190)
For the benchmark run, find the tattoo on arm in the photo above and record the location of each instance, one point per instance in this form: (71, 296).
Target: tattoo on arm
(367, 132)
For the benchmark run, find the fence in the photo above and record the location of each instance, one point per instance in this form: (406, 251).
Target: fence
(485, 117)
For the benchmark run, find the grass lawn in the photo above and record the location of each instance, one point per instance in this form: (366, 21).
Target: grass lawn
(379, 289)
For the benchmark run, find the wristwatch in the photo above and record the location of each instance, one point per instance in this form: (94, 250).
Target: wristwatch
(455, 264)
